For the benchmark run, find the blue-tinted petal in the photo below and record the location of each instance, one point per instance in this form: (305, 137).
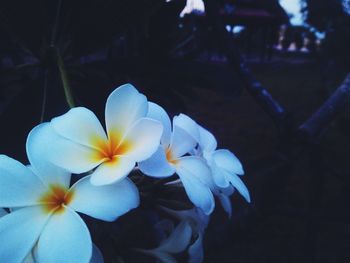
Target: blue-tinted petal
(19, 186)
(198, 192)
(107, 202)
(157, 165)
(65, 235)
(19, 232)
(124, 106)
(228, 161)
(156, 112)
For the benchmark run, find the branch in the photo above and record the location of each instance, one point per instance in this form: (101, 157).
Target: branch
(324, 116)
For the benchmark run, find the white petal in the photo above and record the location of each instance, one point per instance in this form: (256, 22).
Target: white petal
(19, 186)
(144, 137)
(156, 112)
(187, 124)
(37, 150)
(219, 176)
(238, 184)
(181, 142)
(226, 204)
(207, 140)
(113, 171)
(50, 173)
(198, 167)
(178, 240)
(157, 165)
(227, 160)
(195, 251)
(124, 106)
(67, 236)
(19, 232)
(106, 202)
(197, 192)
(44, 143)
(97, 256)
(79, 125)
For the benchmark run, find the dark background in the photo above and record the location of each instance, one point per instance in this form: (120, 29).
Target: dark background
(299, 183)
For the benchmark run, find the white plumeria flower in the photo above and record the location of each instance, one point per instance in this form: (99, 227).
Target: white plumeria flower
(225, 167)
(170, 158)
(177, 242)
(45, 210)
(198, 222)
(77, 142)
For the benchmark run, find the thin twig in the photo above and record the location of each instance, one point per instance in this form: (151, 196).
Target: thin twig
(43, 105)
(55, 25)
(65, 80)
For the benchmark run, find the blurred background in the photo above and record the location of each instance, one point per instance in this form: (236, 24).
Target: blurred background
(251, 71)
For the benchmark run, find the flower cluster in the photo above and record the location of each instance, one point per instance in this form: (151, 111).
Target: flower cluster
(41, 221)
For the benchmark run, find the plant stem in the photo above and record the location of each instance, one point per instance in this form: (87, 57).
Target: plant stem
(65, 80)
(55, 25)
(43, 105)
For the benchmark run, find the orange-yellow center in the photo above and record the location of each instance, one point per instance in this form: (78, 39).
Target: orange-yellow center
(56, 198)
(109, 150)
(169, 156)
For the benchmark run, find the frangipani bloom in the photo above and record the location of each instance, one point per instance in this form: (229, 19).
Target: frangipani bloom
(170, 158)
(44, 211)
(198, 222)
(77, 142)
(224, 165)
(175, 243)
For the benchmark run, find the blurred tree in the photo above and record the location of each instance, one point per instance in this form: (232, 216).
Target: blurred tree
(330, 16)
(322, 14)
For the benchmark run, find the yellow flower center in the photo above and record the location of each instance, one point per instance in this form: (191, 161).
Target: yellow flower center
(109, 150)
(56, 198)
(169, 156)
